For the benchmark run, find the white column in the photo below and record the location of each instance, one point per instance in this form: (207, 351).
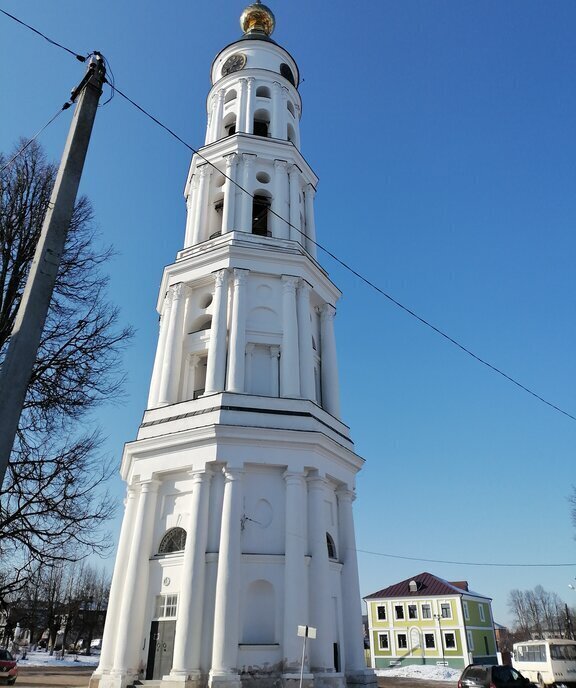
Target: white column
(217, 131)
(228, 215)
(117, 587)
(188, 638)
(320, 596)
(294, 172)
(250, 99)
(248, 161)
(129, 631)
(278, 118)
(216, 363)
(289, 359)
(160, 351)
(191, 203)
(295, 578)
(241, 116)
(201, 214)
(310, 223)
(237, 345)
(172, 359)
(274, 356)
(280, 228)
(329, 363)
(210, 120)
(351, 605)
(307, 387)
(227, 605)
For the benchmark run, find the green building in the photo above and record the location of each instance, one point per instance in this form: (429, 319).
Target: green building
(428, 620)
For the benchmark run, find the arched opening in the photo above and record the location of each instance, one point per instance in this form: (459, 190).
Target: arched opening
(263, 92)
(331, 547)
(259, 623)
(230, 124)
(261, 123)
(231, 95)
(174, 540)
(286, 72)
(291, 134)
(204, 322)
(261, 214)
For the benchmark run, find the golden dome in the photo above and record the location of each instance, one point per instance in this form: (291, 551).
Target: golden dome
(257, 17)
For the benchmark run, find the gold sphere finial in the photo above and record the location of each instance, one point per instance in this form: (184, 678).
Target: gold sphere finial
(257, 18)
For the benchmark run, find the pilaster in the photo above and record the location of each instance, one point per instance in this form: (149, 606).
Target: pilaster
(216, 363)
(228, 212)
(248, 162)
(237, 347)
(307, 387)
(289, 359)
(280, 205)
(330, 389)
(295, 173)
(172, 358)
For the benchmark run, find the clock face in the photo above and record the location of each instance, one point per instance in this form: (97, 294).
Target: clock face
(234, 63)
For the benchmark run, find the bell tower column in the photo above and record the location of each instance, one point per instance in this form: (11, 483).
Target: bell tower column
(216, 363)
(237, 346)
(295, 203)
(289, 364)
(307, 389)
(172, 354)
(228, 212)
(330, 391)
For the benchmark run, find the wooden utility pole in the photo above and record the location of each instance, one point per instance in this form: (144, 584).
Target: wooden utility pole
(26, 334)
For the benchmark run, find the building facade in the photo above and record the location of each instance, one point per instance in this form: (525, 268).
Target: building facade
(427, 620)
(238, 524)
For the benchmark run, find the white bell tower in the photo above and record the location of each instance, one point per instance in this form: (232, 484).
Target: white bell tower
(238, 525)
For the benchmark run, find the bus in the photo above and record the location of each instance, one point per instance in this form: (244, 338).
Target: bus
(547, 662)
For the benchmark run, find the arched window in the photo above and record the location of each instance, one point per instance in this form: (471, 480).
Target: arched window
(263, 92)
(261, 123)
(287, 73)
(231, 95)
(230, 124)
(331, 547)
(174, 540)
(260, 213)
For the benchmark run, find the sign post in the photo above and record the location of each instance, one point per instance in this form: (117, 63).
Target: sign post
(305, 632)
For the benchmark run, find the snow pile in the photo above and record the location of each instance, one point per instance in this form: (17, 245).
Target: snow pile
(36, 659)
(427, 672)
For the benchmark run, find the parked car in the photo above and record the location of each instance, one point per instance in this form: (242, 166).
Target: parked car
(8, 667)
(492, 676)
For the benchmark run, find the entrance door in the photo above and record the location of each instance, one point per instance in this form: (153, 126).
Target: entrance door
(160, 649)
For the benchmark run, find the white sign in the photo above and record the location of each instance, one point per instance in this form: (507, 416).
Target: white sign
(306, 632)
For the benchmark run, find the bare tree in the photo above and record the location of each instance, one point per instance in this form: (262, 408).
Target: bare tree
(54, 501)
(537, 613)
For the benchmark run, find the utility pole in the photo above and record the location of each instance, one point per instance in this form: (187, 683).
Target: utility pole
(25, 338)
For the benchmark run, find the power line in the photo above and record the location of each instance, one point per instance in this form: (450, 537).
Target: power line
(36, 135)
(345, 265)
(464, 563)
(81, 58)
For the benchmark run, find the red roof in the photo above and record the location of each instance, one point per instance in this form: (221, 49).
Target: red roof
(428, 585)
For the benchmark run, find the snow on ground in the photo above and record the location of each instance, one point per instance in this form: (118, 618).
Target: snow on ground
(427, 672)
(36, 659)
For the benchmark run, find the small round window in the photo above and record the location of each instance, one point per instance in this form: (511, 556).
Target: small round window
(174, 540)
(286, 72)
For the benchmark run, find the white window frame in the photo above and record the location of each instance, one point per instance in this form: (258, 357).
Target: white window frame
(482, 614)
(453, 634)
(429, 606)
(399, 618)
(433, 638)
(384, 634)
(440, 604)
(162, 606)
(466, 610)
(378, 607)
(470, 638)
(412, 618)
(398, 634)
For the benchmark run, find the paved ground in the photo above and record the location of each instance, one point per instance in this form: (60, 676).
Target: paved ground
(56, 677)
(78, 677)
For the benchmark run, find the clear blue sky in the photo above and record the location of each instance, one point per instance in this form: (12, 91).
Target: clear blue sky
(443, 133)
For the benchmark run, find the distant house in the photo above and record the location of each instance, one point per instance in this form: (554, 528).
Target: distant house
(427, 620)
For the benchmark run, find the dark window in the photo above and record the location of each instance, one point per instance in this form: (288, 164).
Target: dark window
(286, 72)
(383, 641)
(260, 208)
(445, 610)
(426, 611)
(450, 641)
(231, 129)
(381, 611)
(260, 127)
(402, 641)
(412, 611)
(331, 546)
(173, 541)
(429, 640)
(399, 611)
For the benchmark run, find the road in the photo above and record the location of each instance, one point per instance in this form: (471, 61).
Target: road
(78, 677)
